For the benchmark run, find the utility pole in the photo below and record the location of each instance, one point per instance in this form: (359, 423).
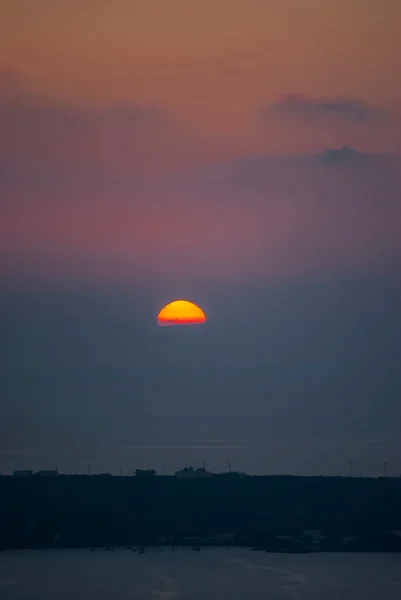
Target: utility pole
(162, 470)
(229, 466)
(385, 468)
(204, 465)
(89, 469)
(351, 468)
(120, 472)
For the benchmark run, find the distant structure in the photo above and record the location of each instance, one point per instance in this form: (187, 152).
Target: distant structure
(23, 473)
(232, 474)
(47, 473)
(145, 472)
(191, 473)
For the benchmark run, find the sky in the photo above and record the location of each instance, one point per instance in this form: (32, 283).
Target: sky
(241, 154)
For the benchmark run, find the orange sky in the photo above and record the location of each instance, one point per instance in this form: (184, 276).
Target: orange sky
(210, 62)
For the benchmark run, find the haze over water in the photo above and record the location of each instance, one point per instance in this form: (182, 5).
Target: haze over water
(212, 574)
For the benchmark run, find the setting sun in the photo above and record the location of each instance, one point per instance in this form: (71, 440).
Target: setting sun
(181, 312)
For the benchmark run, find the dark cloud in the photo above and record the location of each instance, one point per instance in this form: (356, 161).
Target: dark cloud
(304, 107)
(264, 172)
(343, 155)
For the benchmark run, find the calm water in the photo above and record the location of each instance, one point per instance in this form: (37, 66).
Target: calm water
(211, 574)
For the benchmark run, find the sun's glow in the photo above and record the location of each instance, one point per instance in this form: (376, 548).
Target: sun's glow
(181, 312)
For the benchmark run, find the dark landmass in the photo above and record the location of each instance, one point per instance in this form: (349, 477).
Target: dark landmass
(288, 514)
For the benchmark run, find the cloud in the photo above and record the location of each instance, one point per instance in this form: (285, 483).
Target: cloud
(41, 137)
(28, 123)
(304, 107)
(83, 192)
(336, 209)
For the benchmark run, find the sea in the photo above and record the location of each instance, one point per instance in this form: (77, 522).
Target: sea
(208, 574)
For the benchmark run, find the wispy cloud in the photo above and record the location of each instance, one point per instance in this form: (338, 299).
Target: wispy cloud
(41, 136)
(305, 107)
(183, 447)
(33, 121)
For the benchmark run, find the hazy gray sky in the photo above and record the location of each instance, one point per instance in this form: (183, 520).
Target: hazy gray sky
(284, 377)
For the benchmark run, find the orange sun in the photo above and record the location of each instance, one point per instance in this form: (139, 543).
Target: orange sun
(181, 312)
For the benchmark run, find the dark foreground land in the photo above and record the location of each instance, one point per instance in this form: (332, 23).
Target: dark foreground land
(273, 513)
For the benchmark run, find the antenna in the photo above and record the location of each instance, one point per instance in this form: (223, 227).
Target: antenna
(351, 468)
